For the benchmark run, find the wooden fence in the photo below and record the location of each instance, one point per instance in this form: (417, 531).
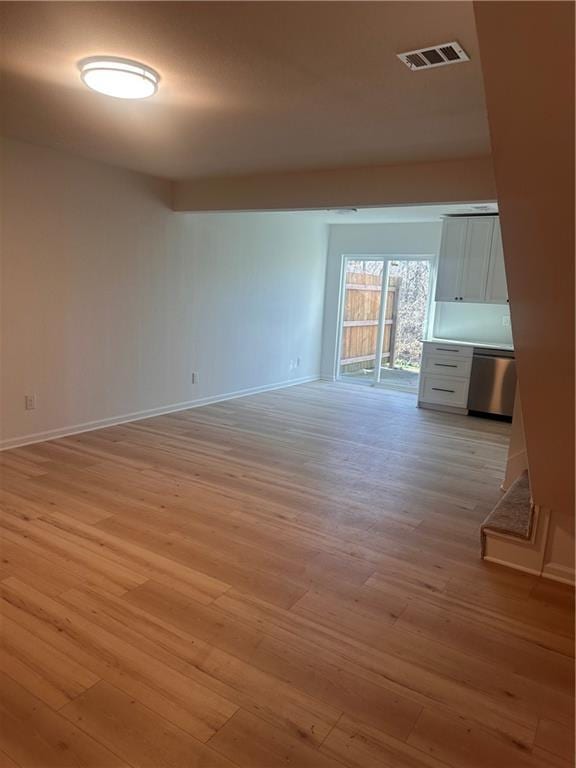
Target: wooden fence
(360, 324)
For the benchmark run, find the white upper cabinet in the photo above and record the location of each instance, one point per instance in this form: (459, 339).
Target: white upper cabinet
(476, 259)
(470, 263)
(496, 289)
(450, 260)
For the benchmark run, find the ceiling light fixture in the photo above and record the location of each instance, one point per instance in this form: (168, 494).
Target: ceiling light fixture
(120, 78)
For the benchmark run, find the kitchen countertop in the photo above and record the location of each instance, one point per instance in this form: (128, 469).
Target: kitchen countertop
(482, 344)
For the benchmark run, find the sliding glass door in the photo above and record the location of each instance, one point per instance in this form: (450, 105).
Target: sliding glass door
(382, 320)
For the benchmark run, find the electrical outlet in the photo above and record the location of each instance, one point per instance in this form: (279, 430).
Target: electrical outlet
(194, 377)
(29, 402)
(298, 362)
(506, 321)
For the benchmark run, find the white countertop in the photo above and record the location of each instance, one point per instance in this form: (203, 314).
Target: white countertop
(507, 347)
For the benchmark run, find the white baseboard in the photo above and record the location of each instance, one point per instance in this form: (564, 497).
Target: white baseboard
(90, 426)
(513, 566)
(557, 572)
(551, 571)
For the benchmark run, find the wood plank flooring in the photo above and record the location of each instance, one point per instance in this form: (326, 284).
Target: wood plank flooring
(289, 579)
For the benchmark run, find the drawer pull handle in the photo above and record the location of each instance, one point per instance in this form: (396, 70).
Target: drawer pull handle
(443, 349)
(439, 389)
(446, 365)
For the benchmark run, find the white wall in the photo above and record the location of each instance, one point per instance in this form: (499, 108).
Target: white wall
(110, 300)
(399, 240)
(487, 323)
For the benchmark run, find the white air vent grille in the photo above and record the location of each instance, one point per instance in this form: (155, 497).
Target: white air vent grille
(436, 56)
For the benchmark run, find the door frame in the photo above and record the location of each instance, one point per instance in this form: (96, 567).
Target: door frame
(386, 258)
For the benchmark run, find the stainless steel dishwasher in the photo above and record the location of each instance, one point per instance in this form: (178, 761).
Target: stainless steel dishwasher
(492, 383)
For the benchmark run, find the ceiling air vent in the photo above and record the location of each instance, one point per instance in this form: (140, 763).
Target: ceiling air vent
(438, 56)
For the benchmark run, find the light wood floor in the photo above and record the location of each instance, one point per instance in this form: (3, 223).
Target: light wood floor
(290, 579)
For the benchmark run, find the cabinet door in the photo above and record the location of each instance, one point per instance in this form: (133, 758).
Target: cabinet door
(451, 259)
(477, 259)
(497, 290)
(441, 390)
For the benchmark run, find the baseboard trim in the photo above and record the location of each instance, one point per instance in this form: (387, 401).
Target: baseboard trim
(90, 426)
(551, 571)
(561, 573)
(513, 566)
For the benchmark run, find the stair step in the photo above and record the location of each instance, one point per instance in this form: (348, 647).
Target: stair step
(514, 513)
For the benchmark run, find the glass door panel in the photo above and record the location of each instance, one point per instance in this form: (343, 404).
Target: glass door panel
(408, 284)
(361, 314)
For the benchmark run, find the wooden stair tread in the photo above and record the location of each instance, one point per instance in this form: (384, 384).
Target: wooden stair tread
(514, 513)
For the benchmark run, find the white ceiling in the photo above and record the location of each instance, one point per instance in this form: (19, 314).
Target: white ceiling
(246, 87)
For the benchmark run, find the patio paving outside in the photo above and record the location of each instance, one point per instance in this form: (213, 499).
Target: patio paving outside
(390, 378)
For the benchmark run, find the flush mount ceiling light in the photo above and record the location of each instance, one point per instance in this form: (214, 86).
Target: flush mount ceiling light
(120, 78)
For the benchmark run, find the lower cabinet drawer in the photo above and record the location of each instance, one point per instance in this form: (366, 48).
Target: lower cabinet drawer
(444, 390)
(447, 366)
(442, 349)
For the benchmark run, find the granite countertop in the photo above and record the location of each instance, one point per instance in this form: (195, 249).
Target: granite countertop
(483, 344)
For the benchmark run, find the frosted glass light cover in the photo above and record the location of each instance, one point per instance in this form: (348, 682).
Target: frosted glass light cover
(119, 78)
